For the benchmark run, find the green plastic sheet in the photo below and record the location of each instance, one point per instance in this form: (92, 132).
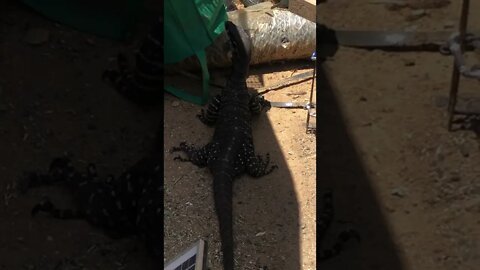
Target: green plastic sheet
(190, 26)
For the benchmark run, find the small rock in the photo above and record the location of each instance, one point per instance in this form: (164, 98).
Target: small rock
(37, 36)
(260, 234)
(49, 238)
(175, 104)
(363, 99)
(399, 192)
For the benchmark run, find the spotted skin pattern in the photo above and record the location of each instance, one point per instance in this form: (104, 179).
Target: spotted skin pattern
(125, 206)
(231, 151)
(324, 221)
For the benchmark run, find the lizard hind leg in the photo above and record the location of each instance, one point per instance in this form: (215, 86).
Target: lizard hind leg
(257, 167)
(197, 156)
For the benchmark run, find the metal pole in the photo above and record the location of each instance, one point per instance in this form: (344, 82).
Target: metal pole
(456, 73)
(311, 92)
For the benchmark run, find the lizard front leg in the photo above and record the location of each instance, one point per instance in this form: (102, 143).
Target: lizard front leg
(209, 117)
(257, 104)
(197, 156)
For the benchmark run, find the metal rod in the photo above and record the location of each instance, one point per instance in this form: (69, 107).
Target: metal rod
(311, 95)
(296, 79)
(456, 73)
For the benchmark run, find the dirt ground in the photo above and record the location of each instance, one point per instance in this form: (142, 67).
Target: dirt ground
(400, 178)
(52, 100)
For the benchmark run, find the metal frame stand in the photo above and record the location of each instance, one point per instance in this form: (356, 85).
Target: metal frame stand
(310, 129)
(456, 72)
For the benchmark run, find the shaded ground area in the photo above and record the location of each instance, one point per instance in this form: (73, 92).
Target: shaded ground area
(407, 184)
(52, 100)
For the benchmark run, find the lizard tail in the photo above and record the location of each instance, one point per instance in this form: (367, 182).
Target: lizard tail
(222, 189)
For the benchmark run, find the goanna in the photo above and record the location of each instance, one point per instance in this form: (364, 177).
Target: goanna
(130, 204)
(231, 151)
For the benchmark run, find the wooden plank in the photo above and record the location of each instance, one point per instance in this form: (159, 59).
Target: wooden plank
(305, 8)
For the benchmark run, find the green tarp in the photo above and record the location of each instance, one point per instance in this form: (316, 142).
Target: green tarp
(190, 26)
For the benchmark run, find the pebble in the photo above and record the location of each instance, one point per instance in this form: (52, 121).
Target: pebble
(399, 192)
(260, 234)
(175, 104)
(37, 36)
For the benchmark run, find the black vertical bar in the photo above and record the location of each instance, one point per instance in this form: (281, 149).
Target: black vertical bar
(456, 73)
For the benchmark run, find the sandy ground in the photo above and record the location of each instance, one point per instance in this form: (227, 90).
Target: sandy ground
(400, 178)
